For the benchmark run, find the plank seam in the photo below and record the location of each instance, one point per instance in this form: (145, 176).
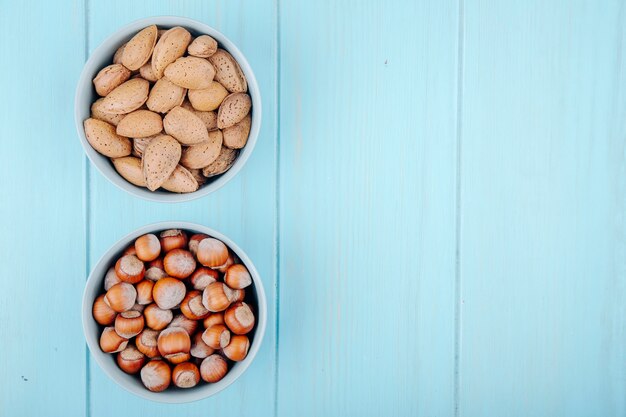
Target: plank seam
(277, 66)
(87, 217)
(457, 272)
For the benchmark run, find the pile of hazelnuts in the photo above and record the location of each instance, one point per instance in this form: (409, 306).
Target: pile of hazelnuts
(175, 310)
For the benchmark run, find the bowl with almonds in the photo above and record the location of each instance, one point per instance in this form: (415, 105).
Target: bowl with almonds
(168, 109)
(174, 312)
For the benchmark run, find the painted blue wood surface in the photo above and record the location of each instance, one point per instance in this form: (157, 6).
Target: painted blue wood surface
(367, 214)
(436, 205)
(543, 197)
(42, 249)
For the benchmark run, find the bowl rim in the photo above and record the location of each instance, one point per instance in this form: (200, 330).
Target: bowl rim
(84, 85)
(182, 396)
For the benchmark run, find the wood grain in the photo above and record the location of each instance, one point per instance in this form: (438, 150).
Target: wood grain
(367, 208)
(244, 210)
(42, 249)
(543, 259)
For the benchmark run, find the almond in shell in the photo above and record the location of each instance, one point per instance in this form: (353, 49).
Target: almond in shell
(129, 168)
(197, 174)
(171, 46)
(233, 109)
(114, 119)
(110, 77)
(127, 97)
(208, 99)
(139, 49)
(209, 118)
(236, 136)
(139, 145)
(203, 154)
(146, 72)
(227, 72)
(159, 160)
(224, 161)
(165, 95)
(190, 72)
(203, 46)
(185, 126)
(117, 57)
(181, 181)
(140, 124)
(102, 137)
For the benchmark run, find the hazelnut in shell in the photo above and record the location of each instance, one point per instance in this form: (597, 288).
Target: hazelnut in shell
(102, 313)
(156, 375)
(173, 239)
(129, 323)
(239, 318)
(130, 269)
(179, 263)
(121, 297)
(237, 349)
(185, 375)
(174, 343)
(213, 368)
(157, 318)
(148, 247)
(168, 293)
(212, 252)
(130, 360)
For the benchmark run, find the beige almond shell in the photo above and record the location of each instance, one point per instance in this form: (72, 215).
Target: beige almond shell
(140, 124)
(117, 57)
(203, 46)
(129, 168)
(139, 145)
(102, 137)
(181, 181)
(114, 119)
(209, 118)
(236, 136)
(224, 161)
(228, 72)
(109, 78)
(208, 99)
(159, 160)
(139, 49)
(203, 154)
(185, 126)
(190, 72)
(197, 174)
(146, 72)
(127, 97)
(171, 46)
(233, 109)
(165, 95)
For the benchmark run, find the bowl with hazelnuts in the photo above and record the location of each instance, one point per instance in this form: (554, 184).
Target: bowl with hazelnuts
(174, 312)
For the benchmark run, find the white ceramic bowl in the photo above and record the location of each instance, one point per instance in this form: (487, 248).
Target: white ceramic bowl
(255, 294)
(86, 95)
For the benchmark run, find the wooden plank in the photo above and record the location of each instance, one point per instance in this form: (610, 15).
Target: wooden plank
(243, 209)
(42, 354)
(543, 253)
(367, 208)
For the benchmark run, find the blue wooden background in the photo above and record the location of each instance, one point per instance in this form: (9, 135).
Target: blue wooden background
(437, 206)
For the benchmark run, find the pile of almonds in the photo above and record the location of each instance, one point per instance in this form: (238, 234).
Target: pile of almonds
(174, 310)
(173, 111)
